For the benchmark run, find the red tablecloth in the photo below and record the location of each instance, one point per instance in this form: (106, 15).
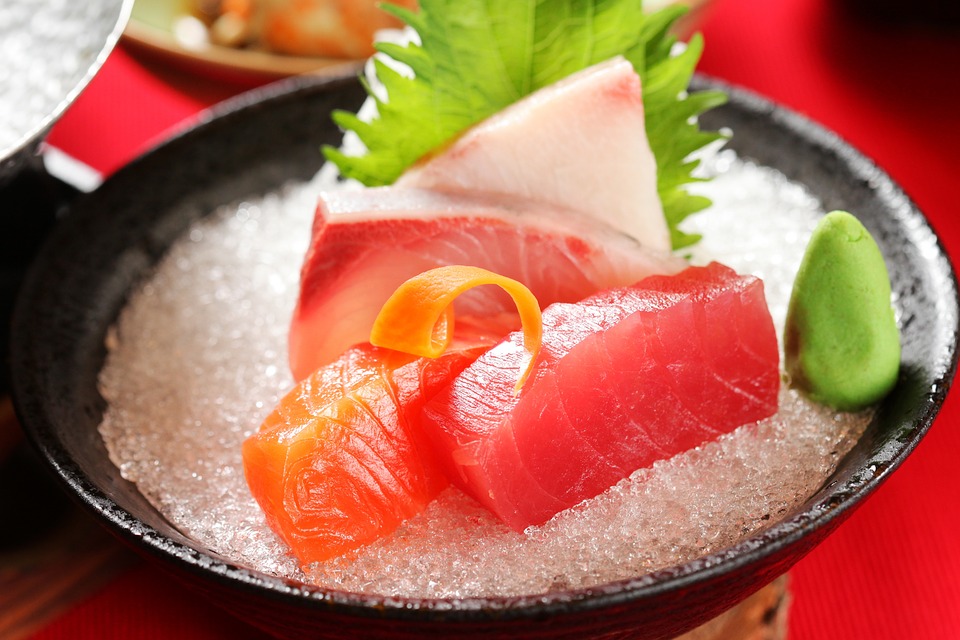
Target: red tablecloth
(892, 571)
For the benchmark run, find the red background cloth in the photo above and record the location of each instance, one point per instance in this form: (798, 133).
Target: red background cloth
(893, 570)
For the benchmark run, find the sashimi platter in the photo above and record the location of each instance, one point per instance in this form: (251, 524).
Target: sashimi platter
(542, 322)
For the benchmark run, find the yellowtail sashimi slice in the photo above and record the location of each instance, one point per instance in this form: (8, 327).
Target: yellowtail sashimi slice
(366, 243)
(579, 143)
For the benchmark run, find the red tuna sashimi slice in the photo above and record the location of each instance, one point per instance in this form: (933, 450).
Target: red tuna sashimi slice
(625, 378)
(579, 143)
(366, 243)
(336, 465)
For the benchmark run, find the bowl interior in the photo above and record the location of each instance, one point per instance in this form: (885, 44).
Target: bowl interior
(113, 236)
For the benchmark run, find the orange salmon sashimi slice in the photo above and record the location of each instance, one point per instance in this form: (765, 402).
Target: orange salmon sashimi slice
(337, 465)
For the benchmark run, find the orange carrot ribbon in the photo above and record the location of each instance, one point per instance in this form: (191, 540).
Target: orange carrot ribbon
(419, 319)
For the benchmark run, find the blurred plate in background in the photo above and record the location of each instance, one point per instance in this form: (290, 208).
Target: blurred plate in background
(164, 28)
(167, 30)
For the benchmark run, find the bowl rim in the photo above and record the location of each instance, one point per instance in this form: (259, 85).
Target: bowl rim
(824, 512)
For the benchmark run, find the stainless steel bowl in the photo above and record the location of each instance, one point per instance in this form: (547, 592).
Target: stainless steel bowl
(51, 49)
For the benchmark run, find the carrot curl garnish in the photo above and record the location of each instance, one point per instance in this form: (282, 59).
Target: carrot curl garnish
(418, 318)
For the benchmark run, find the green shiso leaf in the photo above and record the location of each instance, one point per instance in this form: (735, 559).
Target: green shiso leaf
(478, 56)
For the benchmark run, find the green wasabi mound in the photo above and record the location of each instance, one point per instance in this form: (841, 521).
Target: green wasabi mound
(841, 341)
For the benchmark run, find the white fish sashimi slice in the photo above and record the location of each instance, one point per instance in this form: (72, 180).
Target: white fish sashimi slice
(366, 243)
(579, 143)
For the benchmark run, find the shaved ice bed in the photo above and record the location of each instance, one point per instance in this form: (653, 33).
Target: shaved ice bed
(198, 359)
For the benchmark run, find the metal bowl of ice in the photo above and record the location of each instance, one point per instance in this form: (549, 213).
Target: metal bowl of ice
(51, 50)
(189, 254)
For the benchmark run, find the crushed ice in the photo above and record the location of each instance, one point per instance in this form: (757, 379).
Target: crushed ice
(198, 358)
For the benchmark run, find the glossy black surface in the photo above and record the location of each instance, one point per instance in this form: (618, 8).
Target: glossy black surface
(113, 236)
(29, 205)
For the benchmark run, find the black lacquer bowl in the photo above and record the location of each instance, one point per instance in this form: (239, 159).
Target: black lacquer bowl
(98, 254)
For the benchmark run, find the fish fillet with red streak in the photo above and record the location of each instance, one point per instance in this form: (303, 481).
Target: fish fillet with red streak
(625, 378)
(367, 242)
